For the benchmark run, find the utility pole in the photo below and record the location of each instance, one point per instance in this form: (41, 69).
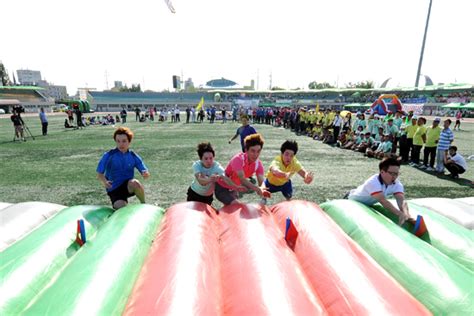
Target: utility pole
(258, 78)
(270, 85)
(106, 80)
(423, 46)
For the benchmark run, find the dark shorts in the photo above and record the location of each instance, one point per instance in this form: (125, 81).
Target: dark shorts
(193, 196)
(225, 195)
(120, 193)
(286, 189)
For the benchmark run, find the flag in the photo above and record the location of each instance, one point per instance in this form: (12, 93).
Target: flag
(200, 104)
(170, 6)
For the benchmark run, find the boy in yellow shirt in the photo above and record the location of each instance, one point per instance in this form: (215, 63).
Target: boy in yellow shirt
(283, 167)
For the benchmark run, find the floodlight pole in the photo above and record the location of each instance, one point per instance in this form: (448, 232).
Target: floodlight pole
(423, 46)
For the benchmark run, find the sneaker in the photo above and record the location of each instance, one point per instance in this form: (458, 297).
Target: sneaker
(429, 169)
(421, 166)
(412, 164)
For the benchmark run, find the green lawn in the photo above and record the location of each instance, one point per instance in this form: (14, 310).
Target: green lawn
(60, 167)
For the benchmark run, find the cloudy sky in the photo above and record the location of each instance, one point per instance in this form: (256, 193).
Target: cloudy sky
(88, 43)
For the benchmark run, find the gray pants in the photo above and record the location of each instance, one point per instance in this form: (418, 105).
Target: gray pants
(440, 160)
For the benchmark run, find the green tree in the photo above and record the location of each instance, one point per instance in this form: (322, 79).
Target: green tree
(5, 79)
(277, 88)
(134, 88)
(319, 85)
(361, 85)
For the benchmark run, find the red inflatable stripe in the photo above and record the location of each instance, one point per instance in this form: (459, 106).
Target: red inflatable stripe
(181, 275)
(260, 274)
(348, 281)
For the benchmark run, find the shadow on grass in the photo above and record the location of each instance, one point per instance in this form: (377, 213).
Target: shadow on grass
(461, 181)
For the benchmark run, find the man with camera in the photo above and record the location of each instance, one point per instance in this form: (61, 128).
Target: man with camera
(18, 124)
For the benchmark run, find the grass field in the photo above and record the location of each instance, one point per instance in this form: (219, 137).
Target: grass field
(60, 167)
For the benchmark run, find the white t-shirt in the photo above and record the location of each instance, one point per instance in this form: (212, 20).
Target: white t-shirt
(459, 160)
(208, 189)
(338, 121)
(372, 186)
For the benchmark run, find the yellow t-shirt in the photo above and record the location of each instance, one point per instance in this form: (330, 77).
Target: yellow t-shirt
(432, 135)
(420, 131)
(410, 130)
(293, 167)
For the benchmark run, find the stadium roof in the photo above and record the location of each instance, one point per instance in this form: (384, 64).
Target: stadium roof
(21, 88)
(221, 83)
(443, 87)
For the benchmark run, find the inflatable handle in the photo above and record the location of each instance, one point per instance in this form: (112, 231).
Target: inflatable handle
(291, 234)
(420, 226)
(81, 232)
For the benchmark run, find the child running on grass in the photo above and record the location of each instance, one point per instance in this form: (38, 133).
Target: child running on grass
(206, 172)
(116, 170)
(283, 167)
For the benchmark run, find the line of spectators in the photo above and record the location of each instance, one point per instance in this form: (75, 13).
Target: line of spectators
(401, 136)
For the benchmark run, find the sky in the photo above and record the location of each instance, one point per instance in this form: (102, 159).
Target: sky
(92, 43)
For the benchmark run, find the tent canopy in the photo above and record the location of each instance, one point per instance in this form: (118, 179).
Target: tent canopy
(469, 106)
(453, 105)
(358, 105)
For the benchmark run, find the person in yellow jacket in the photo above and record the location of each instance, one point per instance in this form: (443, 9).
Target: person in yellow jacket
(432, 138)
(419, 139)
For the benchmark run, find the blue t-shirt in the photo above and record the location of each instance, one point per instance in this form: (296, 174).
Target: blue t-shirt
(208, 189)
(43, 117)
(119, 167)
(245, 131)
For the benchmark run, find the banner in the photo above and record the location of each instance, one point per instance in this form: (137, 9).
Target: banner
(416, 108)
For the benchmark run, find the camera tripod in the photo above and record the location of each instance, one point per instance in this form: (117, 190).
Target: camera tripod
(25, 127)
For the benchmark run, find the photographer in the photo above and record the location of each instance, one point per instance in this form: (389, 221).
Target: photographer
(18, 124)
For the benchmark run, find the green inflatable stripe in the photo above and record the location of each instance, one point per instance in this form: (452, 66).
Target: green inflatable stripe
(28, 265)
(441, 284)
(455, 241)
(100, 278)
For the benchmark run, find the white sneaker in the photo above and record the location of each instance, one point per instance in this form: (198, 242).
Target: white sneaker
(429, 169)
(421, 166)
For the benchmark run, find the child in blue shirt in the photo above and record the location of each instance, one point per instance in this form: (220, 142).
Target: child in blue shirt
(116, 170)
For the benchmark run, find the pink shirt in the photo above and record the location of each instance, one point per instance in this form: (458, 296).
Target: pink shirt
(238, 163)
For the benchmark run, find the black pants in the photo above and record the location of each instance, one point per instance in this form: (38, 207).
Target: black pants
(404, 148)
(410, 146)
(455, 169)
(336, 132)
(415, 154)
(431, 153)
(395, 144)
(44, 127)
(193, 196)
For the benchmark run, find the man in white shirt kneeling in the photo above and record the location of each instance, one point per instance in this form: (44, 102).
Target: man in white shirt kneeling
(379, 186)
